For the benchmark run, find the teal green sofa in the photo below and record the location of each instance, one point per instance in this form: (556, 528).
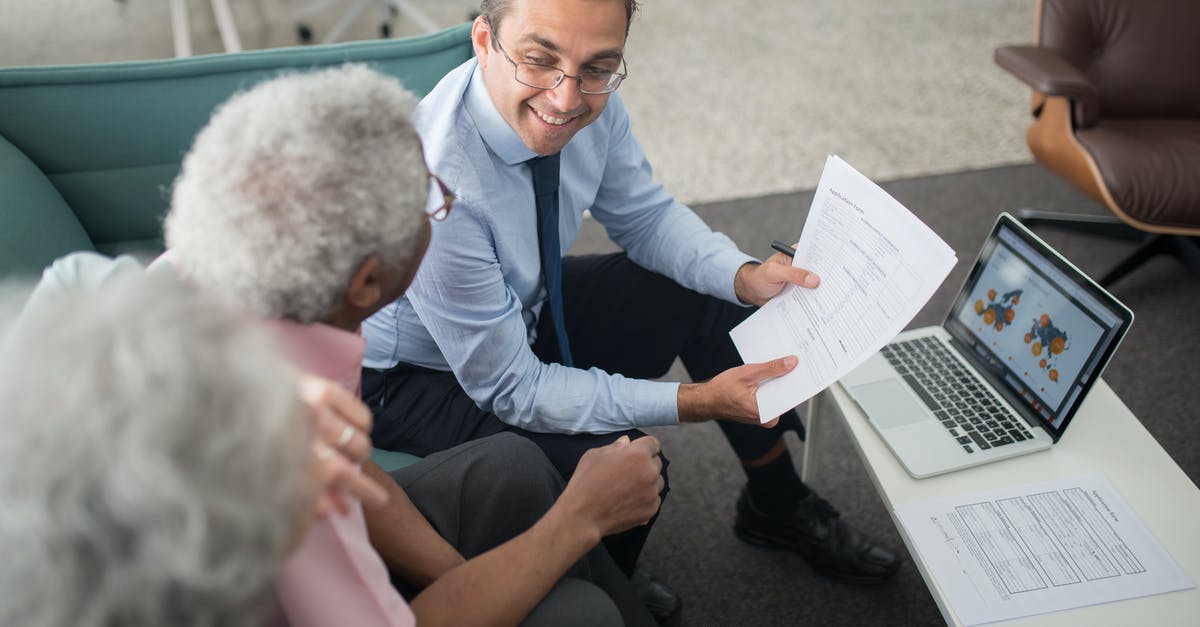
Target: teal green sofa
(88, 153)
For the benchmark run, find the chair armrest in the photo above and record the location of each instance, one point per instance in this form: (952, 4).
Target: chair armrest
(1050, 74)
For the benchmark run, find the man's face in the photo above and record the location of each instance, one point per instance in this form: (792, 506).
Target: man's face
(572, 35)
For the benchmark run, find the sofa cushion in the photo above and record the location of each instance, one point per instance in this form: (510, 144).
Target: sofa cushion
(110, 137)
(36, 225)
(391, 461)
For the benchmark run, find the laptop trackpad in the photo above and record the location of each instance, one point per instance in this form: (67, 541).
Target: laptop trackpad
(890, 403)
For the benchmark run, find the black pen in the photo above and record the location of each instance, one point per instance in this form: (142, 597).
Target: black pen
(783, 248)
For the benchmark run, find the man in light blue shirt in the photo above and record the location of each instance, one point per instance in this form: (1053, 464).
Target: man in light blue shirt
(487, 339)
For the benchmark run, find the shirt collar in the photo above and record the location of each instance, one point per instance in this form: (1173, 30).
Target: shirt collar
(495, 131)
(322, 350)
(314, 348)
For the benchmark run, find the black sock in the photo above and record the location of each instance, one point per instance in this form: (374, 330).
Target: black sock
(775, 488)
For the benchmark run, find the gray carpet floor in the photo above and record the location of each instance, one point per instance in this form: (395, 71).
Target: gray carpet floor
(725, 582)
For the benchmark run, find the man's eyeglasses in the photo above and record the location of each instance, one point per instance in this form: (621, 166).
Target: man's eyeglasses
(439, 214)
(540, 76)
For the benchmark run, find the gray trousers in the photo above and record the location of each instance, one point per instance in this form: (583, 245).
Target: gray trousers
(482, 493)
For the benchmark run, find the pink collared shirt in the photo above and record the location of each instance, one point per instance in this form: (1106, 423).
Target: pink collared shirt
(335, 576)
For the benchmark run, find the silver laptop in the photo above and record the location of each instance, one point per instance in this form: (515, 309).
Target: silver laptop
(1027, 337)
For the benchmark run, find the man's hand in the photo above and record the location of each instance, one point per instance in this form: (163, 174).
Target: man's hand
(615, 487)
(757, 283)
(340, 443)
(731, 394)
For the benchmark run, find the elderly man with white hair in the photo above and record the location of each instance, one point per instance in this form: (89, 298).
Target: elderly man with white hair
(134, 485)
(303, 202)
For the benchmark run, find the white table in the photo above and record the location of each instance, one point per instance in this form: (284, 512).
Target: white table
(1105, 436)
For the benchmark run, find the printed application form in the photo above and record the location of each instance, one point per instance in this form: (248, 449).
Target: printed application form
(878, 265)
(1037, 548)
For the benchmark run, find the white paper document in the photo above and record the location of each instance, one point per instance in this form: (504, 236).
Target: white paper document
(1037, 548)
(878, 265)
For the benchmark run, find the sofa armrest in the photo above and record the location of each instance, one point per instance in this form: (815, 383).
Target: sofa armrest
(1048, 73)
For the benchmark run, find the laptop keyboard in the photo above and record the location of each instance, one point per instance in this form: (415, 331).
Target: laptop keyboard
(968, 410)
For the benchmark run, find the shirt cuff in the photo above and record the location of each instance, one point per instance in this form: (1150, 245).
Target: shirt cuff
(658, 403)
(727, 264)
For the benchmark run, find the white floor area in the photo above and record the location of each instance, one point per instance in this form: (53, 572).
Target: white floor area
(730, 98)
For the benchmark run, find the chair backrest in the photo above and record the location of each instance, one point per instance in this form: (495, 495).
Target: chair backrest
(88, 153)
(1142, 55)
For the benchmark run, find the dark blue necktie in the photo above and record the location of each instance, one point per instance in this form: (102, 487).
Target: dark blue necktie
(545, 194)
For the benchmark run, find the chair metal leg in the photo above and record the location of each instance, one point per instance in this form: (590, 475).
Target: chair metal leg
(1104, 226)
(808, 465)
(1154, 245)
(1188, 251)
(1182, 247)
(227, 26)
(346, 20)
(180, 29)
(313, 9)
(409, 10)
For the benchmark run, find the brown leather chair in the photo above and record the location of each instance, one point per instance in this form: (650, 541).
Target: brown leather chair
(1116, 103)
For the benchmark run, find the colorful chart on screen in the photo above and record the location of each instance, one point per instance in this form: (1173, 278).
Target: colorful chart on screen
(1030, 327)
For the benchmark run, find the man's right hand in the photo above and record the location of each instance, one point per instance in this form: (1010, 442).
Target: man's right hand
(341, 443)
(615, 487)
(731, 395)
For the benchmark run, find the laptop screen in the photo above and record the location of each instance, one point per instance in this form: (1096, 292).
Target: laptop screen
(1037, 323)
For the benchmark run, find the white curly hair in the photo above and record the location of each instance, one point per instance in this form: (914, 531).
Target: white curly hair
(293, 184)
(154, 463)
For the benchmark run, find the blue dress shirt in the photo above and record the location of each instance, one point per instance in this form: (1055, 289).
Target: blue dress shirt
(474, 305)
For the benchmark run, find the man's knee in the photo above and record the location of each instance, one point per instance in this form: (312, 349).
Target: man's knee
(509, 453)
(482, 493)
(577, 603)
(517, 471)
(501, 466)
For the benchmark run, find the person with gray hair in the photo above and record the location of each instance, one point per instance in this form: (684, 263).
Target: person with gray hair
(304, 201)
(285, 200)
(141, 493)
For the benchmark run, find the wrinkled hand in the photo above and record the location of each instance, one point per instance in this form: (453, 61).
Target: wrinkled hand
(731, 395)
(755, 284)
(340, 443)
(616, 487)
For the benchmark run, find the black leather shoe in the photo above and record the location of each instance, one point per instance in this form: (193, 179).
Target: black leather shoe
(665, 606)
(815, 531)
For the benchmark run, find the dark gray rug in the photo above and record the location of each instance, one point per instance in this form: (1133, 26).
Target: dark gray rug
(725, 582)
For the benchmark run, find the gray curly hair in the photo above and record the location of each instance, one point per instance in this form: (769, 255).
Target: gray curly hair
(293, 184)
(154, 466)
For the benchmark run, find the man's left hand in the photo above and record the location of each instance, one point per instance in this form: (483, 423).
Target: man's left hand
(757, 283)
